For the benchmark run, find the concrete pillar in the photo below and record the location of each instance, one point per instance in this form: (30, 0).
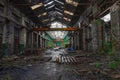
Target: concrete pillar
(115, 26)
(87, 39)
(40, 42)
(1, 35)
(101, 34)
(10, 38)
(77, 40)
(5, 39)
(72, 41)
(85, 43)
(29, 39)
(22, 40)
(83, 39)
(43, 43)
(94, 32)
(32, 36)
(23, 36)
(37, 36)
(35, 40)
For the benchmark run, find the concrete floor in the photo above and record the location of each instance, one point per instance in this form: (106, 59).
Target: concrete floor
(50, 70)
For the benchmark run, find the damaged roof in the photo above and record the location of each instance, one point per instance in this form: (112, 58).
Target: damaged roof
(44, 12)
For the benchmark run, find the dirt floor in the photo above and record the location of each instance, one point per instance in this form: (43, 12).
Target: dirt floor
(60, 65)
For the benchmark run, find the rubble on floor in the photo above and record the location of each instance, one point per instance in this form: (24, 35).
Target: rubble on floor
(69, 66)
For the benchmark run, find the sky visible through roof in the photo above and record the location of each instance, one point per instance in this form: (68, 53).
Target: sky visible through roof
(58, 35)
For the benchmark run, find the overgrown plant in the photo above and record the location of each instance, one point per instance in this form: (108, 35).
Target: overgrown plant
(97, 64)
(109, 48)
(112, 65)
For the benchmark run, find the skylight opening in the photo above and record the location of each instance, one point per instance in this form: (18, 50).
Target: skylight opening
(45, 20)
(107, 17)
(67, 19)
(39, 15)
(43, 14)
(50, 6)
(48, 3)
(58, 35)
(71, 2)
(36, 6)
(58, 9)
(59, 13)
(59, 2)
(68, 12)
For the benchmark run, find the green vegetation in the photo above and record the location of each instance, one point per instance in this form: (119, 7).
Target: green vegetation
(108, 48)
(97, 64)
(112, 65)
